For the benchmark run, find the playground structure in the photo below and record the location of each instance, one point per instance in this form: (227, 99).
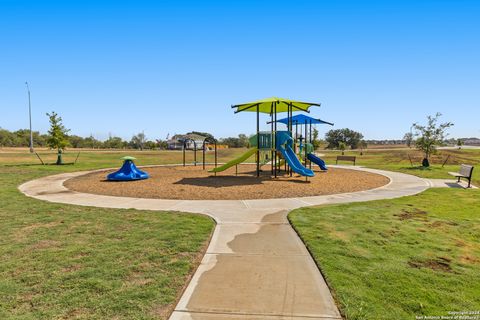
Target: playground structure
(128, 172)
(277, 148)
(281, 145)
(305, 146)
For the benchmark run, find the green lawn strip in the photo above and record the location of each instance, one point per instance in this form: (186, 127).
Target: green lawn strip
(394, 259)
(394, 160)
(103, 158)
(62, 261)
(397, 160)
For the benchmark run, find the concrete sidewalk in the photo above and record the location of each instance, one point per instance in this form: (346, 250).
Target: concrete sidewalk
(256, 267)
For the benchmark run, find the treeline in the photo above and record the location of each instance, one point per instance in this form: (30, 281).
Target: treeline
(21, 138)
(236, 142)
(343, 138)
(232, 142)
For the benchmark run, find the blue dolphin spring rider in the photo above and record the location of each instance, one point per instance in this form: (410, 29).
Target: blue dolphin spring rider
(128, 172)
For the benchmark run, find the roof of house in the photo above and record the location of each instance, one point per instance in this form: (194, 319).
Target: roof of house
(182, 137)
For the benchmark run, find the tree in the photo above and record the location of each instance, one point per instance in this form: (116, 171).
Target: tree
(243, 140)
(76, 141)
(232, 142)
(22, 137)
(91, 142)
(7, 138)
(57, 138)
(152, 145)
(315, 140)
(459, 143)
(362, 145)
(348, 137)
(430, 136)
(113, 143)
(342, 146)
(203, 134)
(138, 141)
(162, 144)
(408, 137)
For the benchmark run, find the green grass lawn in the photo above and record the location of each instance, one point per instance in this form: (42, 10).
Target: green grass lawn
(394, 259)
(398, 160)
(70, 262)
(390, 259)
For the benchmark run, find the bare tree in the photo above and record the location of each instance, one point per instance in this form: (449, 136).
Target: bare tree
(138, 141)
(408, 137)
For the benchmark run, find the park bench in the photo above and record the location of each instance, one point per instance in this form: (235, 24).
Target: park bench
(346, 158)
(464, 172)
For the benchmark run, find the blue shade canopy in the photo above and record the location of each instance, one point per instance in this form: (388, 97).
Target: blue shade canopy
(303, 119)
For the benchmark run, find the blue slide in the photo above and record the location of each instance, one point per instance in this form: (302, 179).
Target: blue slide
(293, 161)
(317, 161)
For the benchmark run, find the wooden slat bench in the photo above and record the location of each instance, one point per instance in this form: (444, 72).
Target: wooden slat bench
(464, 172)
(346, 158)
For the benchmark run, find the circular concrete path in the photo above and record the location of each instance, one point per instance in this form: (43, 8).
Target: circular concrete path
(256, 266)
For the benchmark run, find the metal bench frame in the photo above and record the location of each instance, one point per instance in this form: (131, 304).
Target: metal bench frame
(465, 171)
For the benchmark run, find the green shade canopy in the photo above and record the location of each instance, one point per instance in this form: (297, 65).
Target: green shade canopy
(270, 105)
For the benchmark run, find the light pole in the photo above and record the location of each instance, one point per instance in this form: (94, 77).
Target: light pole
(30, 117)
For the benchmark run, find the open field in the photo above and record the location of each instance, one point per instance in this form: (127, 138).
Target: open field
(395, 159)
(111, 158)
(68, 262)
(397, 259)
(398, 160)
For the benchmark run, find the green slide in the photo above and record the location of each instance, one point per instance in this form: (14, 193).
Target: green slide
(236, 161)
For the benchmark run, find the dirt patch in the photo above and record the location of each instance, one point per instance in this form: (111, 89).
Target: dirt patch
(71, 268)
(137, 279)
(438, 264)
(469, 259)
(45, 244)
(340, 235)
(468, 252)
(408, 214)
(24, 232)
(193, 183)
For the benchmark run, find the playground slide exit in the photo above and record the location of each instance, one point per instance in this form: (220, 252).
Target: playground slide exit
(317, 161)
(292, 160)
(236, 161)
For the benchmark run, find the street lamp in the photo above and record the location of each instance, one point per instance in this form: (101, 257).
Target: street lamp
(30, 117)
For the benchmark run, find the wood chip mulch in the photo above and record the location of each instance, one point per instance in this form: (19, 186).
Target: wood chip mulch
(192, 183)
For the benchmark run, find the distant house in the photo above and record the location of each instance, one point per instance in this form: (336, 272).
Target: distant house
(190, 141)
(386, 142)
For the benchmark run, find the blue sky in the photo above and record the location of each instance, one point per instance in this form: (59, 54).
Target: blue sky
(173, 66)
